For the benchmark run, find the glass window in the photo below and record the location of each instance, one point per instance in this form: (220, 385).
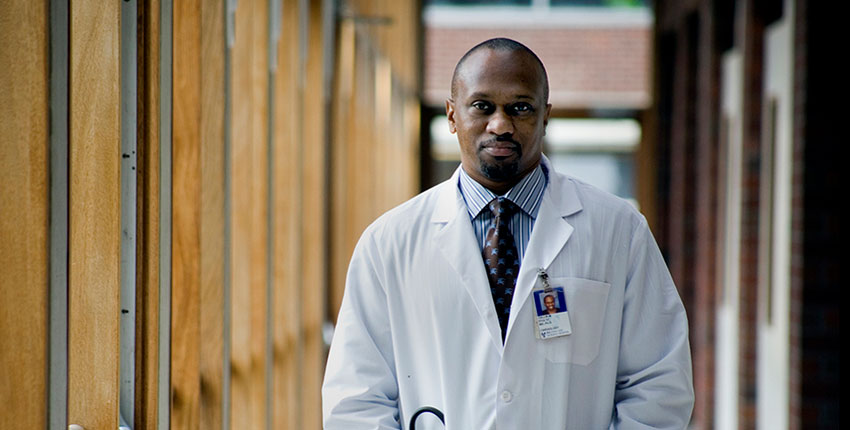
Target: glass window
(600, 3)
(478, 2)
(597, 151)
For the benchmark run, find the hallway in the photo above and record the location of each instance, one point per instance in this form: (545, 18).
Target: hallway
(183, 184)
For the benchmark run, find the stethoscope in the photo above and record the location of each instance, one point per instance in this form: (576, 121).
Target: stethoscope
(422, 410)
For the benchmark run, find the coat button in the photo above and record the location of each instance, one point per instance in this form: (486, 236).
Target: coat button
(506, 396)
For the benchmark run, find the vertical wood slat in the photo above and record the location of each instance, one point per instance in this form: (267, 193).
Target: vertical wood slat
(212, 240)
(94, 244)
(259, 213)
(314, 207)
(287, 344)
(185, 245)
(241, 138)
(342, 146)
(23, 214)
(240, 257)
(148, 245)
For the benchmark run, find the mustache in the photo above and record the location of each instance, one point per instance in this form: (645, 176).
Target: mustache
(499, 139)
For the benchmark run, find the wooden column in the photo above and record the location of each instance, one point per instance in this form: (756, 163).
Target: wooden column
(259, 379)
(286, 227)
(343, 238)
(314, 207)
(240, 252)
(95, 231)
(212, 239)
(249, 214)
(23, 214)
(185, 218)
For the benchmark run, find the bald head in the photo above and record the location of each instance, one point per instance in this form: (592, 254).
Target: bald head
(504, 45)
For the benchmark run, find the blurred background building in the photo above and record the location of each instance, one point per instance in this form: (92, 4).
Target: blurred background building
(183, 184)
(597, 55)
(744, 123)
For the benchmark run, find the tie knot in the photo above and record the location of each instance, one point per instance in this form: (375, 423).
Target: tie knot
(502, 208)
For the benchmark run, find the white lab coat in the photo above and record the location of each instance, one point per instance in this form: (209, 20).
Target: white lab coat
(417, 326)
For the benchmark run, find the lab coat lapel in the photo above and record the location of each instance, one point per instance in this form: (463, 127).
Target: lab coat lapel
(456, 240)
(550, 234)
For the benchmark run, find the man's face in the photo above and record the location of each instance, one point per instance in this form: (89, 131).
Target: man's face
(549, 301)
(499, 114)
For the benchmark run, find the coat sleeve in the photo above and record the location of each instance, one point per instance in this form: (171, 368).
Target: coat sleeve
(654, 377)
(360, 389)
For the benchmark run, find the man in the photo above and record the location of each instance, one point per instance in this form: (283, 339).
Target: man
(438, 311)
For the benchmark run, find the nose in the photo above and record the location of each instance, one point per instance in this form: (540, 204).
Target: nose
(500, 123)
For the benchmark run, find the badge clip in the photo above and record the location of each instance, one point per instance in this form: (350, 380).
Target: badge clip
(551, 315)
(545, 278)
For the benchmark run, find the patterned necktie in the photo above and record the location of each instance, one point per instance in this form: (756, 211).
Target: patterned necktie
(501, 259)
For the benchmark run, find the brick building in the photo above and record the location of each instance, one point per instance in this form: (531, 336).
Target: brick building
(598, 62)
(744, 121)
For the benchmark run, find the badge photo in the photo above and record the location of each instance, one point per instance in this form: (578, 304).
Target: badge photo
(550, 302)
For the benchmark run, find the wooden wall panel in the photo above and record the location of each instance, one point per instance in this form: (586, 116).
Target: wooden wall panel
(259, 213)
(185, 219)
(242, 159)
(314, 207)
(286, 183)
(212, 240)
(148, 244)
(341, 228)
(364, 138)
(95, 232)
(369, 165)
(23, 214)
(198, 215)
(376, 125)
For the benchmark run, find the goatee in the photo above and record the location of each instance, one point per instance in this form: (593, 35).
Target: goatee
(499, 172)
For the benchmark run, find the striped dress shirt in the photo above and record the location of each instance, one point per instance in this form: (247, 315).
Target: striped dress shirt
(526, 194)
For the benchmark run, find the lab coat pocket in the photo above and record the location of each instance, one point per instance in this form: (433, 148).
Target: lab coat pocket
(586, 302)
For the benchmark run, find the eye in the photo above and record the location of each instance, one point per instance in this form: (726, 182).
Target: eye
(521, 108)
(482, 106)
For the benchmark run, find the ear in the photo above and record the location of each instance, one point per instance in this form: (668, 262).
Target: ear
(450, 114)
(546, 117)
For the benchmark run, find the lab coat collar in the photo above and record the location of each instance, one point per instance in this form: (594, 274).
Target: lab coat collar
(449, 199)
(456, 240)
(560, 190)
(549, 235)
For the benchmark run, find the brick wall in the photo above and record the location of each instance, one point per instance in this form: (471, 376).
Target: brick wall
(706, 217)
(751, 40)
(816, 259)
(587, 67)
(692, 194)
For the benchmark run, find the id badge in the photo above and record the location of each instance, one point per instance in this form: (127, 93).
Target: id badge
(552, 316)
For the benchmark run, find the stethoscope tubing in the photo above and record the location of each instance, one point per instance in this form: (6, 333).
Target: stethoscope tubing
(426, 409)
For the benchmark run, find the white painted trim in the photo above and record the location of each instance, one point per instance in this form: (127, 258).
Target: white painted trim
(728, 307)
(474, 17)
(773, 334)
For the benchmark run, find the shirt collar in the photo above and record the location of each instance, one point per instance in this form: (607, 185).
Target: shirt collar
(526, 194)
